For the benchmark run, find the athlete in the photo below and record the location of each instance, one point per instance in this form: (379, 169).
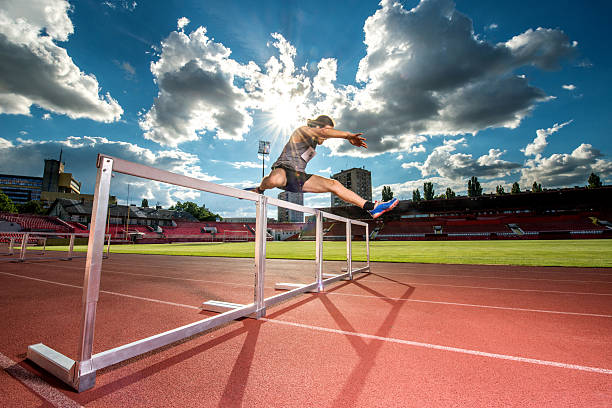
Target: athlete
(288, 172)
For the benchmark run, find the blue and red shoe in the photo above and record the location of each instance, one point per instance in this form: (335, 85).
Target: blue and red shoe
(382, 207)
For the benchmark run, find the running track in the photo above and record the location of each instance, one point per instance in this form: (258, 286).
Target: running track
(406, 335)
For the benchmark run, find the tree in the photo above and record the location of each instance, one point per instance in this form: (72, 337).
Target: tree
(450, 193)
(6, 204)
(536, 188)
(428, 191)
(416, 195)
(387, 194)
(474, 188)
(515, 188)
(145, 203)
(594, 181)
(201, 213)
(499, 190)
(31, 207)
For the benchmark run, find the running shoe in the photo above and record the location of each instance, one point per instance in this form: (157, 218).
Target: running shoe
(383, 207)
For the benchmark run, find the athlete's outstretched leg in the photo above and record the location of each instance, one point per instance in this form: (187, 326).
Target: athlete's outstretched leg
(318, 184)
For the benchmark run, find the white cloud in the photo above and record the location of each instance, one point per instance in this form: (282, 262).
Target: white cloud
(26, 157)
(129, 70)
(128, 5)
(36, 71)
(46, 116)
(325, 171)
(196, 92)
(5, 144)
(539, 143)
(567, 169)
(182, 22)
(569, 87)
(492, 26)
(246, 165)
(426, 72)
(461, 166)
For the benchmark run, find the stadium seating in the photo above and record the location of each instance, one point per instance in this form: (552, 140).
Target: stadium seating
(39, 223)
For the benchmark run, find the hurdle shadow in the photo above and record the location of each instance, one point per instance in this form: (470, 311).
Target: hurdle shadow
(367, 351)
(238, 377)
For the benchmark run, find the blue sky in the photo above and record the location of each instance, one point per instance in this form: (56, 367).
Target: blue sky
(506, 91)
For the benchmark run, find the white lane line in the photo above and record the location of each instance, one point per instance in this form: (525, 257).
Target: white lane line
(497, 277)
(37, 384)
(104, 291)
(494, 288)
(435, 302)
(445, 348)
(369, 281)
(336, 294)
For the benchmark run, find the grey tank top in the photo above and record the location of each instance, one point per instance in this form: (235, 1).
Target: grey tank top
(291, 156)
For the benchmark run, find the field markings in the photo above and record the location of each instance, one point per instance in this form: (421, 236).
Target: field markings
(444, 348)
(37, 384)
(380, 338)
(333, 294)
(102, 291)
(369, 281)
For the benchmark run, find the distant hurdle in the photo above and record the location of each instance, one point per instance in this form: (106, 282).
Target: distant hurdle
(81, 373)
(24, 241)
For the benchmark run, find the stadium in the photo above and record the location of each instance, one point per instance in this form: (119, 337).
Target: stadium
(305, 204)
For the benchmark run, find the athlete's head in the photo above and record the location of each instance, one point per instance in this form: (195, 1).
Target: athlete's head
(321, 121)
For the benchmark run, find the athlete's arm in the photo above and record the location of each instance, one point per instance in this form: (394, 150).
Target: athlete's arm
(329, 132)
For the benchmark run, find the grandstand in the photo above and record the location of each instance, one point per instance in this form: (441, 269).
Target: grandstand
(558, 214)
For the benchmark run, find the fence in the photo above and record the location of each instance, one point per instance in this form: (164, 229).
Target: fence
(81, 374)
(26, 240)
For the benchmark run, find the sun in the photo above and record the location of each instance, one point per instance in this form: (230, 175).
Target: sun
(281, 120)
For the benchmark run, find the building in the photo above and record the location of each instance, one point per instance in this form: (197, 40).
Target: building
(287, 215)
(21, 189)
(80, 211)
(54, 184)
(55, 180)
(355, 179)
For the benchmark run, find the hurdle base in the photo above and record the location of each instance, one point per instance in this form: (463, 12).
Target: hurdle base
(333, 275)
(364, 269)
(291, 286)
(58, 365)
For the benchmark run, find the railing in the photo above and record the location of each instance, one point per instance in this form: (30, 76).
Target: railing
(81, 374)
(22, 240)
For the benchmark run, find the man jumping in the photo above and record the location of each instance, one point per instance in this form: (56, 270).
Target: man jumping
(288, 172)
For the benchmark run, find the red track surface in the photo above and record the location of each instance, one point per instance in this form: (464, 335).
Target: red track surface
(406, 335)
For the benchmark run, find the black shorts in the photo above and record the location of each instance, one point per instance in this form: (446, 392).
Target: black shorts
(295, 179)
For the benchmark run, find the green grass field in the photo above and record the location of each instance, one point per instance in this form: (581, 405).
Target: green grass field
(586, 253)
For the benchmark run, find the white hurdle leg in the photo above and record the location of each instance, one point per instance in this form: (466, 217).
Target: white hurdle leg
(85, 376)
(71, 247)
(24, 244)
(319, 251)
(349, 250)
(260, 255)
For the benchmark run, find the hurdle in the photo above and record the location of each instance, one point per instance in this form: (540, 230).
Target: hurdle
(80, 374)
(24, 238)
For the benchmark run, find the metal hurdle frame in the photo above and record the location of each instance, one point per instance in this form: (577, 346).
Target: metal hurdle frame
(81, 374)
(25, 236)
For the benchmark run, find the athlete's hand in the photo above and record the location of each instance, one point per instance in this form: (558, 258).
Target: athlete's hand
(356, 140)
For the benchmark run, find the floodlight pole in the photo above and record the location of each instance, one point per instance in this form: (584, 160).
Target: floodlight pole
(264, 148)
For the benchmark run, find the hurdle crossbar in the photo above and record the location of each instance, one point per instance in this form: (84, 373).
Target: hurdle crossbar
(81, 373)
